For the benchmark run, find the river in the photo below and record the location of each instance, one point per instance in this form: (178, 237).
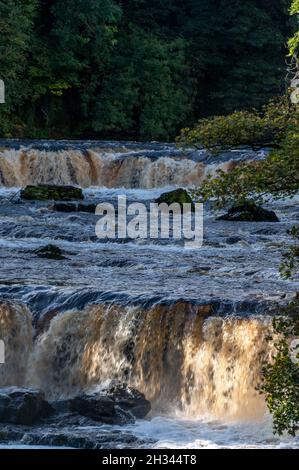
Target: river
(187, 327)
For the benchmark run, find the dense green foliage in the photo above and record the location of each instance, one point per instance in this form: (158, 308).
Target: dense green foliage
(281, 376)
(294, 41)
(136, 68)
(257, 129)
(16, 29)
(276, 176)
(280, 381)
(290, 264)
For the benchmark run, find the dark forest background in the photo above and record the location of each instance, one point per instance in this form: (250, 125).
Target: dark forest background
(136, 68)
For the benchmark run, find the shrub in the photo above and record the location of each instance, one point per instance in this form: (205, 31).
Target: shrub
(290, 264)
(280, 383)
(277, 176)
(267, 128)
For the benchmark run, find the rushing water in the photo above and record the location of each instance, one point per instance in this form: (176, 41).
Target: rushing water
(186, 327)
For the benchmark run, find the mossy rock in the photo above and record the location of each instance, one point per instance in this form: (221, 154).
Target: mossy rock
(50, 252)
(180, 196)
(249, 212)
(45, 192)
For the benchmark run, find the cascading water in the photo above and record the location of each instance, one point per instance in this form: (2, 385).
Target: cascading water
(186, 327)
(95, 167)
(179, 358)
(17, 333)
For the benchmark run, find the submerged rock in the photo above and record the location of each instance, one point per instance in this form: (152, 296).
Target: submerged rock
(45, 192)
(249, 212)
(91, 437)
(50, 252)
(60, 439)
(23, 406)
(116, 404)
(100, 408)
(180, 196)
(233, 240)
(74, 207)
(129, 399)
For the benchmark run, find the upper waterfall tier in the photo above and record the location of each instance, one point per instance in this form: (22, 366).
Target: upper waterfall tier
(109, 164)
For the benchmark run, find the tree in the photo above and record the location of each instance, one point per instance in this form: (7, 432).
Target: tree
(290, 265)
(79, 41)
(205, 57)
(16, 27)
(294, 41)
(146, 91)
(256, 129)
(275, 176)
(238, 52)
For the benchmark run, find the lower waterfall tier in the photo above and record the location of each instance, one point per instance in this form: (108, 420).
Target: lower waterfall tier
(178, 355)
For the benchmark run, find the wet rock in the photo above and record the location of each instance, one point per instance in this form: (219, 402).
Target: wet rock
(180, 196)
(233, 240)
(42, 323)
(74, 207)
(60, 439)
(100, 408)
(11, 434)
(68, 418)
(117, 404)
(91, 208)
(200, 269)
(65, 207)
(93, 437)
(23, 406)
(249, 212)
(129, 399)
(50, 252)
(45, 192)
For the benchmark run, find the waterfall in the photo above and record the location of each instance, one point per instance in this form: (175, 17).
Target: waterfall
(180, 356)
(99, 168)
(17, 334)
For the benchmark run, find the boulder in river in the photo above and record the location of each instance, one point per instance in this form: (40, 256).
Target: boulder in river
(118, 404)
(100, 408)
(43, 192)
(23, 406)
(249, 212)
(129, 399)
(50, 252)
(180, 196)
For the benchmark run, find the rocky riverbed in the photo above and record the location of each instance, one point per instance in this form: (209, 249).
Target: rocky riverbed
(28, 419)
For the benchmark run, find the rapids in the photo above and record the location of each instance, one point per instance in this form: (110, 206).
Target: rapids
(186, 327)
